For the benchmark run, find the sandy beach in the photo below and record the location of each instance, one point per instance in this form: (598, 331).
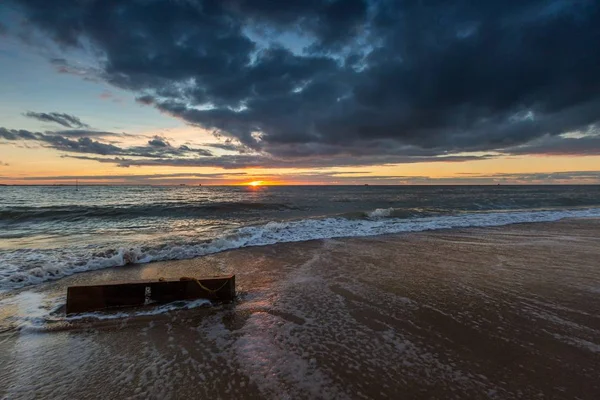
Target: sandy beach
(508, 312)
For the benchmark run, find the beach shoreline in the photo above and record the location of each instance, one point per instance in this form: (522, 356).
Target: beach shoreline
(497, 312)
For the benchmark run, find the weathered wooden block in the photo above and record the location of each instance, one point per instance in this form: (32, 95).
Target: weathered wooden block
(87, 298)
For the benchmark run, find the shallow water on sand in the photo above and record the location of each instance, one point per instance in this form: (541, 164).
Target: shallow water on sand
(506, 313)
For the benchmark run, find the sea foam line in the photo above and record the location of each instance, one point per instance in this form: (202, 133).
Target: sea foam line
(34, 312)
(56, 266)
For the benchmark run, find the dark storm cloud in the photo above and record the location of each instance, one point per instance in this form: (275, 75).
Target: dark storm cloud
(333, 23)
(229, 146)
(586, 145)
(379, 79)
(66, 120)
(147, 100)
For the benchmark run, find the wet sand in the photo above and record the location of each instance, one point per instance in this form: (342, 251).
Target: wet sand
(510, 313)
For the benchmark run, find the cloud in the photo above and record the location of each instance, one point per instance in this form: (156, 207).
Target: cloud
(85, 72)
(87, 133)
(262, 161)
(198, 151)
(66, 120)
(18, 134)
(353, 77)
(58, 142)
(3, 164)
(560, 146)
(128, 177)
(158, 141)
(146, 100)
(82, 143)
(158, 151)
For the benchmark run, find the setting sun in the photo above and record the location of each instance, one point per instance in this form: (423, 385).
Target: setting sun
(255, 183)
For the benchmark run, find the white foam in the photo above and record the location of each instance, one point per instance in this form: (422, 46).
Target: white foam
(29, 310)
(34, 312)
(62, 263)
(380, 213)
(584, 344)
(162, 309)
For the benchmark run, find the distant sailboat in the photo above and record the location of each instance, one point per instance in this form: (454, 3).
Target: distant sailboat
(77, 185)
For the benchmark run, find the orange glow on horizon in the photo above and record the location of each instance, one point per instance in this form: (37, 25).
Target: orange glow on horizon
(44, 166)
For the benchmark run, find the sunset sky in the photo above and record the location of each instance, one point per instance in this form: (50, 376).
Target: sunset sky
(299, 92)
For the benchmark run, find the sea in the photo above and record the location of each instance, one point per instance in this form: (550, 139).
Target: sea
(49, 232)
(455, 313)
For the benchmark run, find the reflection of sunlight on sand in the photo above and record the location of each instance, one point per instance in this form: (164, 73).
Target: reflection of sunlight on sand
(269, 350)
(8, 309)
(198, 267)
(271, 346)
(25, 310)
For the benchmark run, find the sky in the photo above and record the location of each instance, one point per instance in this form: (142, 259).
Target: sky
(299, 92)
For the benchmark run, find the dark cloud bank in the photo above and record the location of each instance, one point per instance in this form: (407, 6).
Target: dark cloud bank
(66, 120)
(156, 148)
(354, 83)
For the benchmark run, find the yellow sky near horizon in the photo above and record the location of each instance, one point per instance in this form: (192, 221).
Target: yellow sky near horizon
(26, 163)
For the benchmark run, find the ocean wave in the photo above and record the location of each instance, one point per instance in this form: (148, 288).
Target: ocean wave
(52, 265)
(75, 213)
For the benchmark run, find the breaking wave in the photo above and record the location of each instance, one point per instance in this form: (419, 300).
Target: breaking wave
(415, 212)
(29, 267)
(380, 212)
